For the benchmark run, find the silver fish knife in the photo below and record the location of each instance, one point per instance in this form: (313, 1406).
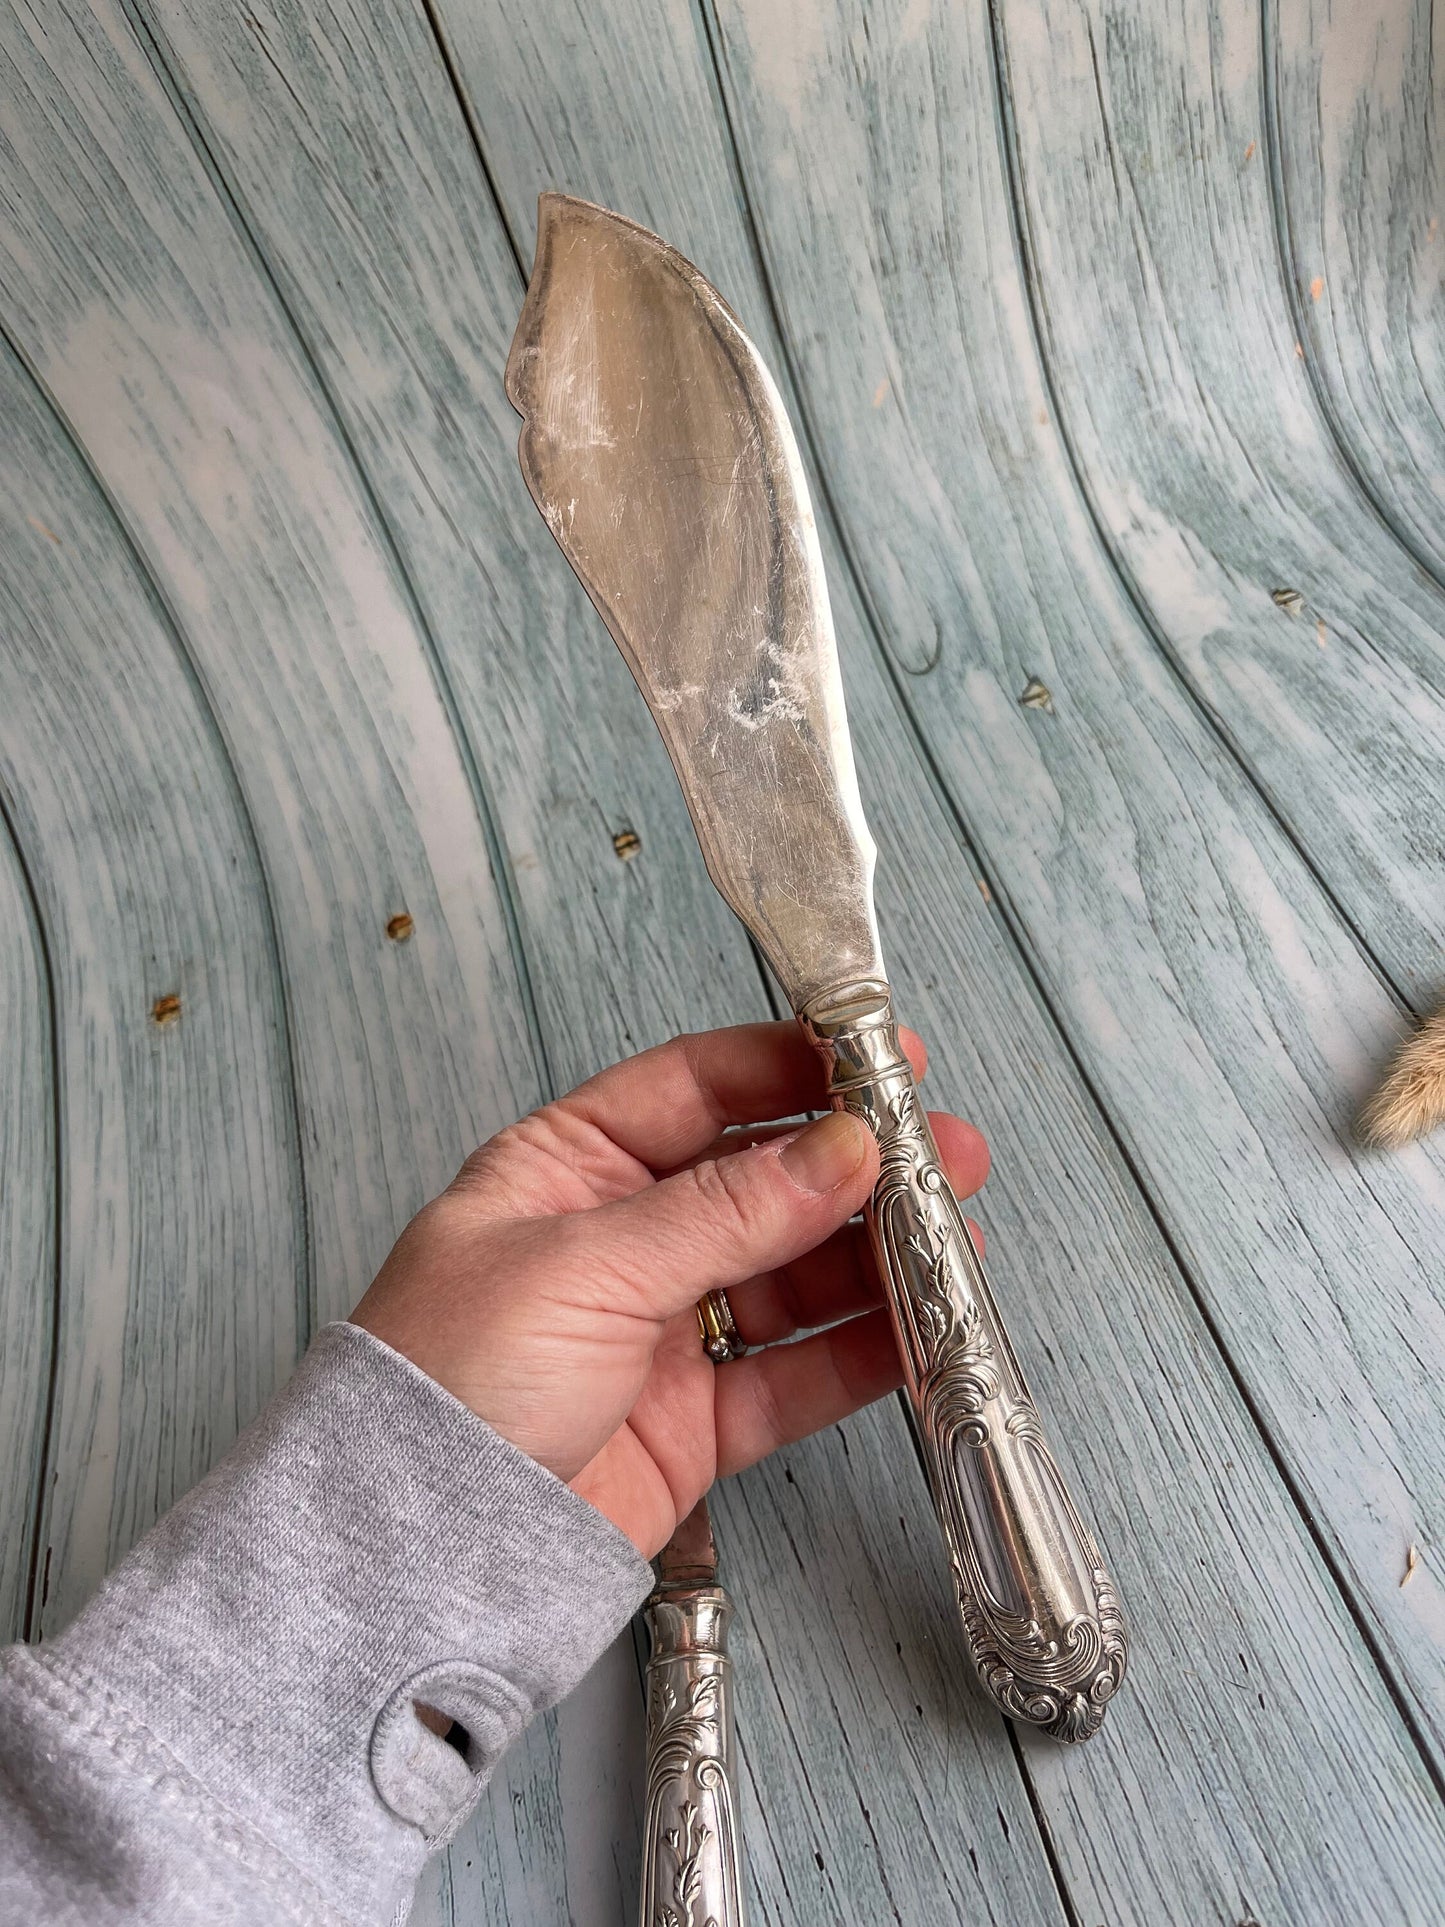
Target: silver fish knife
(657, 447)
(691, 1854)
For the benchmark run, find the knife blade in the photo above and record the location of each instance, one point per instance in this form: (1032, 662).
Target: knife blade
(691, 1855)
(657, 447)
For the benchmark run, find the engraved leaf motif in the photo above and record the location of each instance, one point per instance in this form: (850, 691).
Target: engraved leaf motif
(930, 1245)
(702, 1701)
(686, 1842)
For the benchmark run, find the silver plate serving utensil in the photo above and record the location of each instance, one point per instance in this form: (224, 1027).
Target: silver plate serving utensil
(656, 445)
(691, 1854)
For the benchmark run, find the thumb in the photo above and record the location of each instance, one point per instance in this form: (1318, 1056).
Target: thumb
(730, 1217)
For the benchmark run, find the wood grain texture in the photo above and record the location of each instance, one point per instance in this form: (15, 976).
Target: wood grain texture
(1351, 117)
(558, 1835)
(410, 326)
(255, 261)
(147, 886)
(1170, 921)
(556, 102)
(384, 240)
(133, 288)
(28, 1182)
(135, 297)
(1209, 462)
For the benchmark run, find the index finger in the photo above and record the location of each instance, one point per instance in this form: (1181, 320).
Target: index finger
(668, 1104)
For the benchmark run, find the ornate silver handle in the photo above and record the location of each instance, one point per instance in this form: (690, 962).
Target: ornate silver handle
(691, 1859)
(1039, 1608)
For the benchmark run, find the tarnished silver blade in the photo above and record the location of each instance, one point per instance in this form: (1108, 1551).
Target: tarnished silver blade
(689, 1558)
(656, 446)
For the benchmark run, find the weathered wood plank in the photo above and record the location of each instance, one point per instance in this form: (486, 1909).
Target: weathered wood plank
(1227, 487)
(27, 1219)
(146, 879)
(410, 323)
(1182, 1810)
(1235, 476)
(1170, 921)
(1295, 1634)
(131, 291)
(387, 248)
(1351, 114)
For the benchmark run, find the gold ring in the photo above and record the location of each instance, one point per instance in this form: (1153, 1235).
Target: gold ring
(721, 1339)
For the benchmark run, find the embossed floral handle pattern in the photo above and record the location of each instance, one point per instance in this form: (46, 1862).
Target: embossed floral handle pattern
(691, 1859)
(1039, 1608)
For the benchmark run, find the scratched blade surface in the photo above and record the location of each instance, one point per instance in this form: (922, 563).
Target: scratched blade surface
(656, 445)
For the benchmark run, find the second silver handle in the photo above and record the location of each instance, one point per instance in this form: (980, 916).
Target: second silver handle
(1038, 1606)
(691, 1854)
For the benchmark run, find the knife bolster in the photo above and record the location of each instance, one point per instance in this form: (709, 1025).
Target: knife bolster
(854, 1029)
(1039, 1609)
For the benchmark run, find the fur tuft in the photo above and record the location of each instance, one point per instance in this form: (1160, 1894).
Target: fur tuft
(1411, 1101)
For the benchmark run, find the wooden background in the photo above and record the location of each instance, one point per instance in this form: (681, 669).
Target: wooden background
(1114, 338)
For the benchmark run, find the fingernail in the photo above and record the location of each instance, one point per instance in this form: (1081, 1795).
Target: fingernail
(823, 1155)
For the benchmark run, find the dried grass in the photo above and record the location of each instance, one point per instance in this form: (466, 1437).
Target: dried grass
(1411, 1101)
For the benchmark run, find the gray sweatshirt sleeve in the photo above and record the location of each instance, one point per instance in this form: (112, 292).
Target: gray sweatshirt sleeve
(227, 1732)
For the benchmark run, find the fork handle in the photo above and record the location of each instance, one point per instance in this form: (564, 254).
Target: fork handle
(691, 1855)
(1039, 1609)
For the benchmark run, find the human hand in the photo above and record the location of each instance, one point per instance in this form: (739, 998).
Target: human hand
(553, 1285)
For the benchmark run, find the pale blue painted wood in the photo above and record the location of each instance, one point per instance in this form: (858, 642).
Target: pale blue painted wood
(256, 260)
(554, 102)
(1351, 130)
(410, 324)
(133, 293)
(27, 1218)
(172, 1325)
(1171, 923)
(1171, 328)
